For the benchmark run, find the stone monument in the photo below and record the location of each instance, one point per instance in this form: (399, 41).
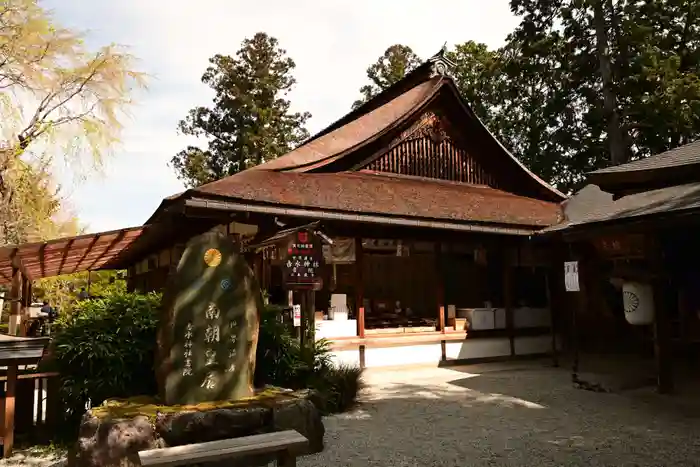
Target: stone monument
(209, 327)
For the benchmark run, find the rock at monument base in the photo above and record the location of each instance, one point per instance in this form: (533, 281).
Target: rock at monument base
(113, 442)
(112, 435)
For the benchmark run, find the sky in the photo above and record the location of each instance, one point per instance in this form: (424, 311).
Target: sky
(332, 43)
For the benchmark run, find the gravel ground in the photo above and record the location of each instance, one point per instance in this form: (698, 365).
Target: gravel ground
(509, 415)
(520, 414)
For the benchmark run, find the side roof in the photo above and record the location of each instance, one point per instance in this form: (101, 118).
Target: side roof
(688, 154)
(678, 166)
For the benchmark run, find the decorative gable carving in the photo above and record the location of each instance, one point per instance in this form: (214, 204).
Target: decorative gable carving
(426, 149)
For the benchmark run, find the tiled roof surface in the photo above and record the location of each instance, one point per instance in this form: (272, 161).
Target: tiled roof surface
(387, 194)
(683, 155)
(355, 132)
(592, 204)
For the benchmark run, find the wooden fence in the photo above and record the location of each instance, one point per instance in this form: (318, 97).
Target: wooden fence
(36, 406)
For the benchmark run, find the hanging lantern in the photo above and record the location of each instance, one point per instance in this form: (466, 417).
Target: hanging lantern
(638, 300)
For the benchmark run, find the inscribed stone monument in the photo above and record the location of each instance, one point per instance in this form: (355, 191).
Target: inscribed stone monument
(209, 328)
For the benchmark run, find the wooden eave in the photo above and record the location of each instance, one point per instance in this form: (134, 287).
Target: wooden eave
(66, 255)
(634, 181)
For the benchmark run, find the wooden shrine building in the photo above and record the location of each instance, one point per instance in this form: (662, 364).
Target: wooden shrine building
(635, 227)
(431, 220)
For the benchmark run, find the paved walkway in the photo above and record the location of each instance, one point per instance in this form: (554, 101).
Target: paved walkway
(522, 414)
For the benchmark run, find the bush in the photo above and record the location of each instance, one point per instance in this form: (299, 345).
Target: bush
(338, 387)
(281, 361)
(106, 349)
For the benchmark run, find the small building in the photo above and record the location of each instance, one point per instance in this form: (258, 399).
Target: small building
(633, 231)
(431, 218)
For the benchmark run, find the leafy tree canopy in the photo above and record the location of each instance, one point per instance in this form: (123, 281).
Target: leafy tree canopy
(55, 94)
(250, 121)
(391, 67)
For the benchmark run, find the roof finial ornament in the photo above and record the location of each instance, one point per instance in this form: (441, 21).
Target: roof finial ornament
(441, 65)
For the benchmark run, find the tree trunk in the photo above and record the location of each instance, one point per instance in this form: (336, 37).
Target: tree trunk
(619, 152)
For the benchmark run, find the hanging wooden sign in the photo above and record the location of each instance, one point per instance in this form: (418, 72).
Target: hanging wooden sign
(302, 265)
(629, 245)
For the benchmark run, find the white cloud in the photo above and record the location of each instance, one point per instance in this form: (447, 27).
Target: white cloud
(331, 42)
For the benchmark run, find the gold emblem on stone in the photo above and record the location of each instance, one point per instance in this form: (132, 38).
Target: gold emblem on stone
(212, 257)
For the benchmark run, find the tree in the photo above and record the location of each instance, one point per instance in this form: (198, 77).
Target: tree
(597, 82)
(397, 61)
(62, 291)
(53, 89)
(250, 121)
(477, 74)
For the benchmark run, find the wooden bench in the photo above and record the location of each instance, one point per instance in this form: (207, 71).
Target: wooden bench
(280, 443)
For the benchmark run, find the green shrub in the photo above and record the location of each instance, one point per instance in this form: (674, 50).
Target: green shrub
(106, 349)
(281, 361)
(338, 387)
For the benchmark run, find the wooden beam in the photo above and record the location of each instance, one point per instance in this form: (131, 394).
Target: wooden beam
(42, 258)
(120, 236)
(87, 252)
(17, 262)
(66, 249)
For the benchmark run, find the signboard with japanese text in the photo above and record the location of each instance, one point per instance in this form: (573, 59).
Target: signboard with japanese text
(208, 334)
(571, 276)
(296, 310)
(303, 261)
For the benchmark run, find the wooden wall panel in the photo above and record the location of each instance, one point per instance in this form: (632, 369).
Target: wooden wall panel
(426, 150)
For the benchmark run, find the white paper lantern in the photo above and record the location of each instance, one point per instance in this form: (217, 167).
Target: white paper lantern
(638, 301)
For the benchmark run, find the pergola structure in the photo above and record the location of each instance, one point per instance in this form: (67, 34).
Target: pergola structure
(22, 264)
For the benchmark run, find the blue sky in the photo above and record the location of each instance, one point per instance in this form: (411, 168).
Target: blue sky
(331, 42)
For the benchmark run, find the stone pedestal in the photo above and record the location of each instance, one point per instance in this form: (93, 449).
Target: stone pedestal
(112, 435)
(209, 327)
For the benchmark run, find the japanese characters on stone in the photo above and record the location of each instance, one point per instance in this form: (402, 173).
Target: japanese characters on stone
(189, 333)
(212, 337)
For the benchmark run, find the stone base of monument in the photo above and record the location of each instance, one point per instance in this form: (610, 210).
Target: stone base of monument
(114, 433)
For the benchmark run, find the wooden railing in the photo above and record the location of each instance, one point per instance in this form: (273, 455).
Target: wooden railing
(36, 406)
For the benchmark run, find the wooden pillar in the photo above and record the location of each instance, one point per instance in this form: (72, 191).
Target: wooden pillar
(9, 420)
(508, 301)
(555, 287)
(15, 302)
(662, 325)
(359, 287)
(549, 282)
(307, 331)
(440, 288)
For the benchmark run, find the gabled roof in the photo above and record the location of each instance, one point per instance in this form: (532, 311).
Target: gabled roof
(386, 116)
(384, 194)
(388, 111)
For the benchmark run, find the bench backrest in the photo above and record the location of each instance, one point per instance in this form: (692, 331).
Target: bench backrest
(279, 442)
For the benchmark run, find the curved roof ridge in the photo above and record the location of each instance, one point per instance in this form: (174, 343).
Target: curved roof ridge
(357, 132)
(529, 172)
